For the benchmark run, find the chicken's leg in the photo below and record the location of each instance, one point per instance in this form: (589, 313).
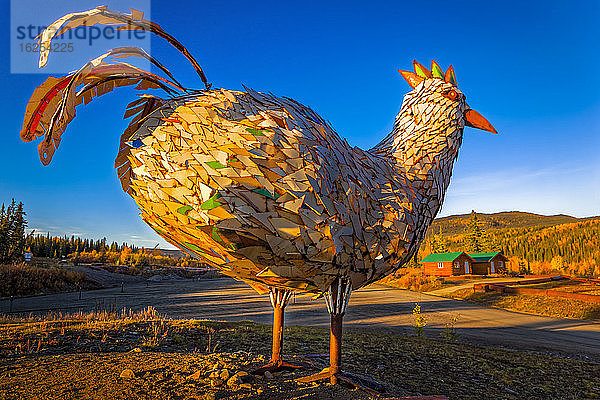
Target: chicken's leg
(279, 299)
(337, 297)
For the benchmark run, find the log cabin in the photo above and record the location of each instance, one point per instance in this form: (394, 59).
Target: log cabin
(447, 264)
(461, 263)
(489, 263)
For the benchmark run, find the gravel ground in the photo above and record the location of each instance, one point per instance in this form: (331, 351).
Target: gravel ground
(142, 357)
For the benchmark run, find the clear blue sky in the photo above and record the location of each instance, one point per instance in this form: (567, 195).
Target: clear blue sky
(531, 68)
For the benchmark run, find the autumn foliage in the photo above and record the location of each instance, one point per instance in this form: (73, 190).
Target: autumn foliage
(570, 248)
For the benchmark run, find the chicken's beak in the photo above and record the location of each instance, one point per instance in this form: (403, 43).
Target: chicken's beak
(476, 120)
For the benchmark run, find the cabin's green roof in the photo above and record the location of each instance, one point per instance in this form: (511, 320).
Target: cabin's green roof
(483, 256)
(442, 257)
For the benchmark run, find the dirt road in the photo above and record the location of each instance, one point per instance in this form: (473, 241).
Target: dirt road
(375, 307)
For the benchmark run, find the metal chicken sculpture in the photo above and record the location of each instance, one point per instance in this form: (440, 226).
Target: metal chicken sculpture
(260, 186)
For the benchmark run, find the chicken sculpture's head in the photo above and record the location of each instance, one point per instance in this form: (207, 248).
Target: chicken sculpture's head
(436, 98)
(432, 117)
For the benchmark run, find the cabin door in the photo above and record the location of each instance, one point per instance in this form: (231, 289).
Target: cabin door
(466, 267)
(492, 267)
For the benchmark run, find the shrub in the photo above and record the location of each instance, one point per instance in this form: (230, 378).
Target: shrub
(412, 279)
(23, 280)
(420, 321)
(450, 333)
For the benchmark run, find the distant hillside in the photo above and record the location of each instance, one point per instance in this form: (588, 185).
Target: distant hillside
(535, 243)
(456, 224)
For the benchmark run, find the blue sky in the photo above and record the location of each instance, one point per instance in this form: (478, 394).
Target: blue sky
(529, 67)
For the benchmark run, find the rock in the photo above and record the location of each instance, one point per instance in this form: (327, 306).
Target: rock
(127, 374)
(244, 376)
(268, 375)
(196, 375)
(215, 373)
(224, 374)
(234, 381)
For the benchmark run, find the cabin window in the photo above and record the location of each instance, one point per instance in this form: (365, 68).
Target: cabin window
(456, 264)
(440, 265)
(500, 264)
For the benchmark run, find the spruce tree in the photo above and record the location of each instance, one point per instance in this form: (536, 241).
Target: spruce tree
(3, 232)
(475, 238)
(17, 237)
(12, 232)
(438, 243)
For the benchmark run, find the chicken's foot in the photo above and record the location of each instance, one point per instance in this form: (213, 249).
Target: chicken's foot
(279, 299)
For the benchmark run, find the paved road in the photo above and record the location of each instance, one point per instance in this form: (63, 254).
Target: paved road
(374, 307)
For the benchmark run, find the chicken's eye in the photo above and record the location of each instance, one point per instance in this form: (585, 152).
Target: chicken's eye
(451, 94)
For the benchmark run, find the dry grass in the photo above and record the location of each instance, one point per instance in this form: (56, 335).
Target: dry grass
(568, 286)
(94, 349)
(412, 279)
(537, 305)
(27, 280)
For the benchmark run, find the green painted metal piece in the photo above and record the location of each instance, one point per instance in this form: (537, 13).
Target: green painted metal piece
(211, 203)
(157, 230)
(266, 193)
(215, 165)
(255, 132)
(452, 78)
(195, 248)
(183, 210)
(420, 72)
(436, 71)
(215, 235)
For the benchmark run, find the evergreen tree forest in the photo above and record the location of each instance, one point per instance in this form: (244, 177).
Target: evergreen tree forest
(12, 232)
(14, 243)
(438, 243)
(62, 247)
